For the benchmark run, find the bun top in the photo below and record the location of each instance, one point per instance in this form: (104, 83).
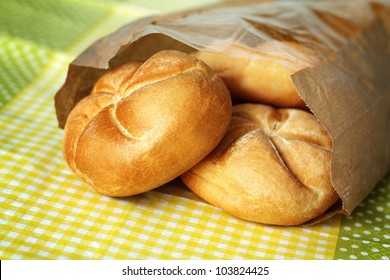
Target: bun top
(146, 123)
(272, 167)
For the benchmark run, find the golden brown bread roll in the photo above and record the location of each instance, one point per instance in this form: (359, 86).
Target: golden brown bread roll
(146, 123)
(260, 81)
(272, 167)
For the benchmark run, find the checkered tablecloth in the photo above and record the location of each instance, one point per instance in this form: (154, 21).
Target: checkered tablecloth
(46, 212)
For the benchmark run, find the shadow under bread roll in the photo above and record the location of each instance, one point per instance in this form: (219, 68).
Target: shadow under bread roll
(272, 167)
(144, 124)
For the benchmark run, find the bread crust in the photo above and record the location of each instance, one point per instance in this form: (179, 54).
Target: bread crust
(272, 167)
(262, 81)
(146, 123)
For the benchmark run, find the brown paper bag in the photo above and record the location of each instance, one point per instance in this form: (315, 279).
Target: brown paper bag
(340, 70)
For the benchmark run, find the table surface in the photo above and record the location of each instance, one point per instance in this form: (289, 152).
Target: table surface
(49, 213)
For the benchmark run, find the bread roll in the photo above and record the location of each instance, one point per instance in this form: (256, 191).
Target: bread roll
(260, 81)
(146, 123)
(272, 167)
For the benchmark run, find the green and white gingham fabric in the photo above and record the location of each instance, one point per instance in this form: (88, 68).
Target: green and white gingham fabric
(46, 212)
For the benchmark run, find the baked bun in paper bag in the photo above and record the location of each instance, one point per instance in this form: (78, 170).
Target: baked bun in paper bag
(144, 124)
(255, 80)
(277, 164)
(272, 167)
